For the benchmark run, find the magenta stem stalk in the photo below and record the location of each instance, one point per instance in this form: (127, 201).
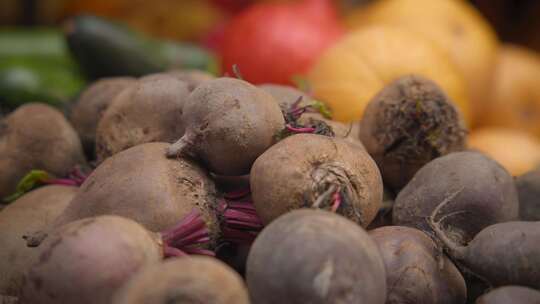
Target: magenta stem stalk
(185, 236)
(300, 130)
(337, 201)
(240, 221)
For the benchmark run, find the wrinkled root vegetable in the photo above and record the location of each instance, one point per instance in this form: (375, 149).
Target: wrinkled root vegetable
(407, 124)
(314, 171)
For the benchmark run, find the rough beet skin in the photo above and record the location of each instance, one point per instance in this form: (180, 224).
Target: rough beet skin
(407, 124)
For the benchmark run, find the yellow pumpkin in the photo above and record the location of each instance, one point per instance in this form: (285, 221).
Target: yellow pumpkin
(515, 97)
(358, 66)
(456, 26)
(515, 150)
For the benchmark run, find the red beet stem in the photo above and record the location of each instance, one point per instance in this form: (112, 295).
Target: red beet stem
(337, 201)
(240, 221)
(61, 181)
(173, 252)
(189, 232)
(300, 130)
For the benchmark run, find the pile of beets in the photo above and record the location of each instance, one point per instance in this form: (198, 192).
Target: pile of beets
(180, 187)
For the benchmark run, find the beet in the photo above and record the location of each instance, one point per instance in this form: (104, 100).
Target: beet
(481, 192)
(36, 136)
(511, 294)
(528, 187)
(91, 105)
(147, 111)
(500, 254)
(416, 271)
(193, 280)
(142, 184)
(87, 260)
(229, 123)
(36, 210)
(315, 171)
(314, 256)
(407, 124)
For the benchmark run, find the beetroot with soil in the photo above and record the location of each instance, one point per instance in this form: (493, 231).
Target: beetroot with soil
(407, 124)
(315, 171)
(228, 124)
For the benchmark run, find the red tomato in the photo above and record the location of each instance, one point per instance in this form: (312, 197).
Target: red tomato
(274, 42)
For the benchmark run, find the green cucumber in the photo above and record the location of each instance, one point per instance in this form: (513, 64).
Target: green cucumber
(26, 79)
(104, 48)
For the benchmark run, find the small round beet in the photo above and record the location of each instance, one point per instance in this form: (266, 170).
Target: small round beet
(407, 124)
(315, 171)
(510, 294)
(314, 256)
(191, 280)
(36, 210)
(36, 136)
(147, 111)
(501, 254)
(528, 187)
(416, 271)
(480, 193)
(87, 260)
(91, 105)
(229, 123)
(142, 184)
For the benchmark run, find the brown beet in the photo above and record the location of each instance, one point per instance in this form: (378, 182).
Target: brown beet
(528, 187)
(36, 136)
(147, 111)
(189, 281)
(416, 272)
(87, 260)
(315, 171)
(501, 254)
(407, 124)
(142, 184)
(481, 192)
(91, 105)
(229, 123)
(313, 256)
(36, 210)
(511, 294)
